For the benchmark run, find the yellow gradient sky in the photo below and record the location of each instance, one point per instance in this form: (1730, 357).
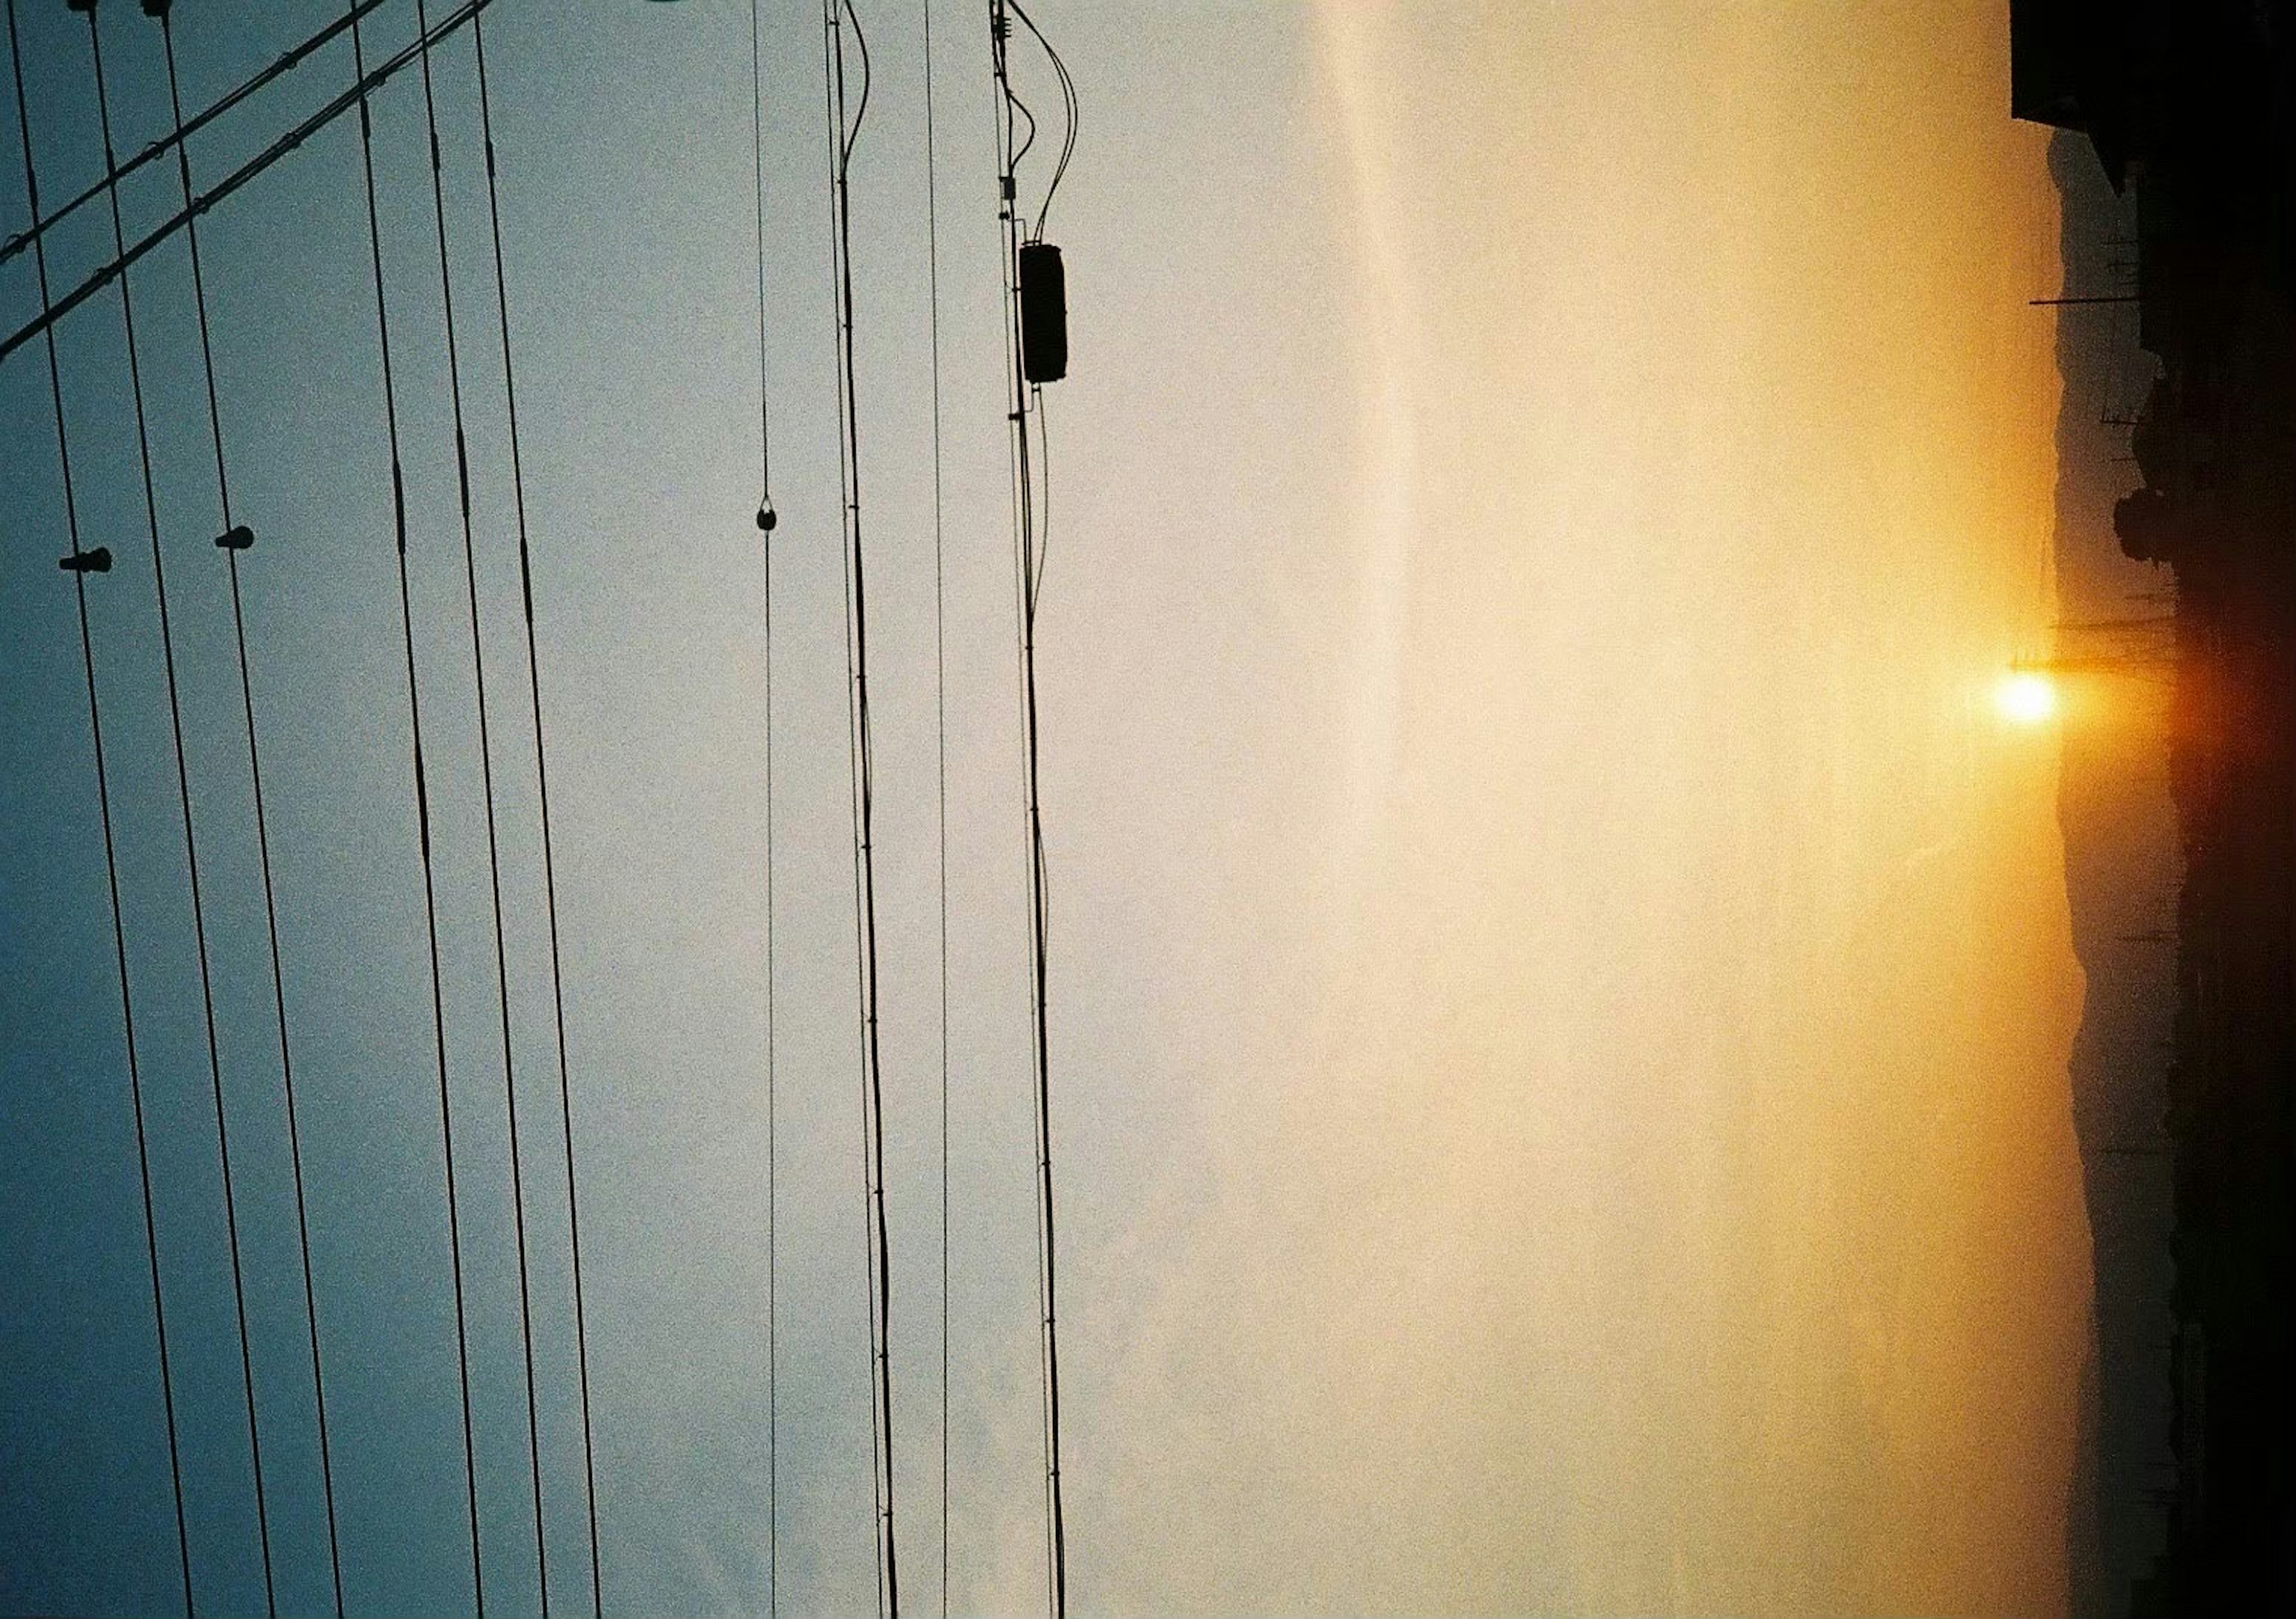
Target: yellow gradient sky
(1661, 1196)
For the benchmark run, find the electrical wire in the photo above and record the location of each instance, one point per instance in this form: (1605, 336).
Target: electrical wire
(1068, 119)
(940, 762)
(844, 133)
(773, 1194)
(190, 839)
(1010, 109)
(486, 784)
(767, 521)
(110, 851)
(125, 258)
(1028, 401)
(766, 517)
(1045, 482)
(423, 813)
(549, 858)
(286, 62)
(262, 823)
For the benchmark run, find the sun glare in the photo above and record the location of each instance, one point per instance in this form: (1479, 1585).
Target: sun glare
(2026, 699)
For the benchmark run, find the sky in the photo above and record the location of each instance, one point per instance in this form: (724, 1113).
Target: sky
(1560, 980)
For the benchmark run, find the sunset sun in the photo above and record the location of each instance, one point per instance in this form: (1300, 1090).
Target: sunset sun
(2026, 697)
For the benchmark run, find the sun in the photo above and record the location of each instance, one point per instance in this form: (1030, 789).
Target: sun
(2025, 698)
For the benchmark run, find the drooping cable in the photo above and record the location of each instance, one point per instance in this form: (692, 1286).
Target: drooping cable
(1027, 402)
(1068, 120)
(844, 129)
(941, 761)
(767, 521)
(549, 857)
(423, 813)
(191, 837)
(231, 546)
(487, 786)
(78, 563)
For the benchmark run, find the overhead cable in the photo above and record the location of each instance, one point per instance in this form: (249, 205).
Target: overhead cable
(423, 816)
(845, 128)
(486, 784)
(191, 837)
(1021, 244)
(767, 519)
(549, 857)
(1067, 119)
(79, 564)
(233, 540)
(125, 257)
(940, 758)
(184, 130)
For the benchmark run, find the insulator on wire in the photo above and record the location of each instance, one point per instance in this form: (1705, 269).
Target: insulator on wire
(95, 562)
(1044, 312)
(239, 537)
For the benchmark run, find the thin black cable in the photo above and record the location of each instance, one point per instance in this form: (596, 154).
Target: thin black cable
(940, 738)
(286, 62)
(845, 132)
(486, 784)
(766, 517)
(1044, 480)
(104, 805)
(853, 770)
(423, 813)
(1008, 155)
(1069, 119)
(549, 859)
(1014, 102)
(262, 823)
(767, 520)
(125, 258)
(1028, 558)
(191, 839)
(773, 1197)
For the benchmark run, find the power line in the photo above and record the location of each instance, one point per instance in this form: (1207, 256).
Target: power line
(79, 564)
(1068, 113)
(549, 859)
(125, 258)
(184, 130)
(423, 813)
(940, 763)
(766, 516)
(191, 839)
(233, 541)
(1009, 108)
(844, 130)
(487, 780)
(767, 521)
(1028, 400)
